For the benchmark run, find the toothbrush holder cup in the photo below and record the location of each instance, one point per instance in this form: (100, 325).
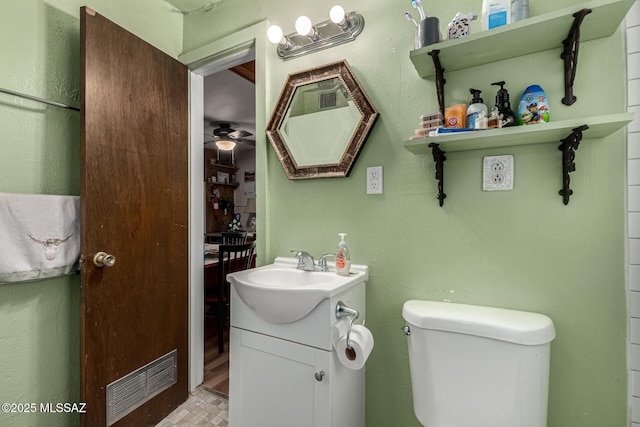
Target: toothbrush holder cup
(427, 32)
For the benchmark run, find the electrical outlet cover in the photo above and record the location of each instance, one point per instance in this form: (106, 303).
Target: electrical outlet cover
(497, 173)
(374, 180)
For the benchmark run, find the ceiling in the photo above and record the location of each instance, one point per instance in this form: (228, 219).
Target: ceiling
(229, 96)
(190, 6)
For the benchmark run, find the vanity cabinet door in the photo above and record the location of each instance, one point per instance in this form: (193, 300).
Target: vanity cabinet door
(273, 382)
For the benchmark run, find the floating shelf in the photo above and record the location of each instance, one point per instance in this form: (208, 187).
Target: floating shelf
(506, 42)
(599, 127)
(228, 167)
(569, 132)
(225, 184)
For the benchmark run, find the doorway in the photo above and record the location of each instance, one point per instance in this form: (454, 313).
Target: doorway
(229, 193)
(239, 48)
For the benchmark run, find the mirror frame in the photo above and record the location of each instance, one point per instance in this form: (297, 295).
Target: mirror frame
(368, 112)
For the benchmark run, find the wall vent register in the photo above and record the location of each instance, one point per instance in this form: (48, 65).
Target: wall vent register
(131, 391)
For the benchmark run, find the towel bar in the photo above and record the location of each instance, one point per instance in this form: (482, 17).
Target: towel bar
(35, 98)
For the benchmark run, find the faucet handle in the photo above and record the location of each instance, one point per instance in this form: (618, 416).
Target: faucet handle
(305, 260)
(322, 262)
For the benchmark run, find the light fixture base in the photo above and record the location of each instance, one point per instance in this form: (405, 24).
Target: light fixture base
(330, 33)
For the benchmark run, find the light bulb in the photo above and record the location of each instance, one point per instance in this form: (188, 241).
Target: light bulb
(303, 25)
(275, 34)
(336, 14)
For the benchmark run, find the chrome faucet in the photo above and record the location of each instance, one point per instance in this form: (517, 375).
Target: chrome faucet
(322, 262)
(305, 261)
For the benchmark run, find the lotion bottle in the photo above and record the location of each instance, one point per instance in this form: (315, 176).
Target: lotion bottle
(495, 13)
(343, 257)
(476, 107)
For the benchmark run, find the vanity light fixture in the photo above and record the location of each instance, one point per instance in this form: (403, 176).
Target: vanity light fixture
(340, 28)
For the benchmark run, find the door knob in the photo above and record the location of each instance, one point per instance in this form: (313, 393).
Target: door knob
(103, 259)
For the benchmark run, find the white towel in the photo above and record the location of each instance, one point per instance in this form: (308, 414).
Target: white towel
(39, 236)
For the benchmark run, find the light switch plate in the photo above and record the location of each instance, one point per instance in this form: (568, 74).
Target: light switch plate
(497, 173)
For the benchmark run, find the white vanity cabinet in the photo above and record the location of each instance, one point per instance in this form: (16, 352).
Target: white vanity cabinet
(288, 375)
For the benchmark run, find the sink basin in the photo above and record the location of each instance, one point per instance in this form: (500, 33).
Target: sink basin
(288, 277)
(280, 293)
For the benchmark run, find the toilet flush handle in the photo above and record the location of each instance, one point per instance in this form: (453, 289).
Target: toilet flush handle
(406, 330)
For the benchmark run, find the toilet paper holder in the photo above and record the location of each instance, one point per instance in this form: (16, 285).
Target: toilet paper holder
(343, 311)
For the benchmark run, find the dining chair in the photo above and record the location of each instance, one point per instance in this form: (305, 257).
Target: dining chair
(234, 237)
(231, 258)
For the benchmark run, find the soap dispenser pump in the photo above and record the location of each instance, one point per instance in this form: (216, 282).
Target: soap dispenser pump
(476, 107)
(343, 257)
(504, 106)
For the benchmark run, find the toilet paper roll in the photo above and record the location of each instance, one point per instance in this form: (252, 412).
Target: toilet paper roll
(361, 341)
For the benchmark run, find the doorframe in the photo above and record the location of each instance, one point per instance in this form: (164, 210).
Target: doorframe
(242, 46)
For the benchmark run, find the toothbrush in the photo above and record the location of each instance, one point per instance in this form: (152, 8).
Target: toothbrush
(420, 7)
(410, 18)
(417, 4)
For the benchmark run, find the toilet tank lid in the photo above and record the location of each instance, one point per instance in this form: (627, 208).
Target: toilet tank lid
(514, 326)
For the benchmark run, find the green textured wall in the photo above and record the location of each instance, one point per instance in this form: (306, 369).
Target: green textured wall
(39, 153)
(521, 249)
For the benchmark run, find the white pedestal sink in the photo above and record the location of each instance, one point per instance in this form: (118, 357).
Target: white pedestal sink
(280, 293)
(283, 367)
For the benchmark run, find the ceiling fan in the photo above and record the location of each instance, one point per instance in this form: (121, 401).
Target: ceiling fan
(225, 138)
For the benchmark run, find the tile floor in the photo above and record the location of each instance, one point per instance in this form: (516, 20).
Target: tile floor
(202, 408)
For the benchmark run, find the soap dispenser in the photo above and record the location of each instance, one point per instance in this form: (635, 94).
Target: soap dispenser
(504, 106)
(476, 107)
(343, 257)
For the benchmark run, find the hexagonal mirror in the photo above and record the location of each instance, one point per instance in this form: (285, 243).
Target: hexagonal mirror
(321, 121)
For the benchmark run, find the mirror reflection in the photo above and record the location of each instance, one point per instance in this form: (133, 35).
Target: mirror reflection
(320, 123)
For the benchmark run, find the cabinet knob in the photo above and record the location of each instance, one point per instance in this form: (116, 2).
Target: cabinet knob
(319, 375)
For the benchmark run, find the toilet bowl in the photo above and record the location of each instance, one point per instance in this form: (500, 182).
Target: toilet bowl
(478, 366)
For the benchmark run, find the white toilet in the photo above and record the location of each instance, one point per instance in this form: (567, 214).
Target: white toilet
(478, 366)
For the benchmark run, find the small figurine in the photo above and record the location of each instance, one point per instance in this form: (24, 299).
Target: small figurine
(460, 25)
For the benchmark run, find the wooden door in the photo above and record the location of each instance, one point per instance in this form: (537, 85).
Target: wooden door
(134, 206)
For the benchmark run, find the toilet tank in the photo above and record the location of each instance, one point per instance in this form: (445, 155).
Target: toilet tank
(478, 366)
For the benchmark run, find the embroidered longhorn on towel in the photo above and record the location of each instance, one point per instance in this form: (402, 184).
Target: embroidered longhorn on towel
(50, 246)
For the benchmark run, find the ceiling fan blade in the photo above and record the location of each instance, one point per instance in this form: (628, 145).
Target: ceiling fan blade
(239, 134)
(250, 142)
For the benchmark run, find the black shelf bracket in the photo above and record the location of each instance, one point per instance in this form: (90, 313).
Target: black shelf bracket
(439, 158)
(568, 147)
(440, 80)
(570, 56)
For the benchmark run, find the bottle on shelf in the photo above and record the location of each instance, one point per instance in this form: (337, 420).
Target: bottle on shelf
(504, 106)
(476, 107)
(495, 13)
